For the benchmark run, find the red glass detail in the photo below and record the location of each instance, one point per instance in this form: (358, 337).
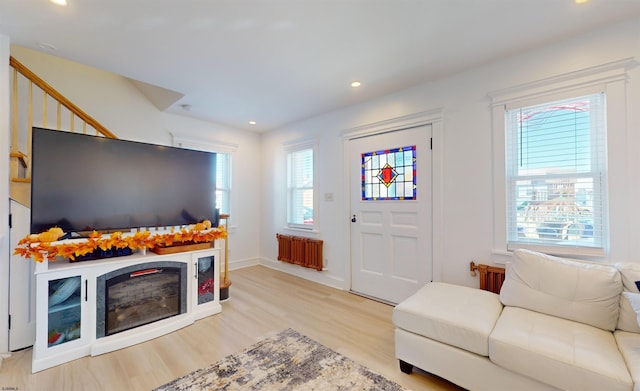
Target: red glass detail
(143, 272)
(387, 175)
(206, 286)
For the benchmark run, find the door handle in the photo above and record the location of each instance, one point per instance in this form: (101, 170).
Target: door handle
(353, 219)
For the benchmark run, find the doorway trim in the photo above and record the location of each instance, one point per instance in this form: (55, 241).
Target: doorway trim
(431, 117)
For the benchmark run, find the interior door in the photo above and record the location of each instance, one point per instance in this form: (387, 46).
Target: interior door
(22, 284)
(391, 202)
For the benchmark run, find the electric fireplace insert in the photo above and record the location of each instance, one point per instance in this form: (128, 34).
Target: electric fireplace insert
(138, 295)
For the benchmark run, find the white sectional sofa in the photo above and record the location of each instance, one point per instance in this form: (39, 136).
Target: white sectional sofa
(557, 325)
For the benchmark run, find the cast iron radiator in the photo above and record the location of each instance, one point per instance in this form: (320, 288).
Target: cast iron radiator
(491, 277)
(300, 251)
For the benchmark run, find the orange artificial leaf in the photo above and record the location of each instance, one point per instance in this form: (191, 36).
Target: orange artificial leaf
(38, 257)
(168, 241)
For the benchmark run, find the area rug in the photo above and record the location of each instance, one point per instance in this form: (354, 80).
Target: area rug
(287, 361)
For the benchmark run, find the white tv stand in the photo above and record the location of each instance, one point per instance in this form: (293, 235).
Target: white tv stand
(66, 322)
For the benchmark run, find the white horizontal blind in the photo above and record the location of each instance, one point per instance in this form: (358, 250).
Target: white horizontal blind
(224, 152)
(223, 182)
(300, 188)
(557, 174)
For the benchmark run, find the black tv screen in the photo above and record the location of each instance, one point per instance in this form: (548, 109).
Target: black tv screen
(82, 183)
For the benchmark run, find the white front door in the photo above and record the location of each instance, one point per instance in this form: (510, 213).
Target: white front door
(391, 202)
(22, 284)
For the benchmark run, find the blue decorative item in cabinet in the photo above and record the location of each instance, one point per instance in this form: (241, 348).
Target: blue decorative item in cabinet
(64, 310)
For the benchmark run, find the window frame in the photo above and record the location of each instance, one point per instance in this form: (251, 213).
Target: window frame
(218, 149)
(598, 170)
(226, 189)
(609, 78)
(289, 149)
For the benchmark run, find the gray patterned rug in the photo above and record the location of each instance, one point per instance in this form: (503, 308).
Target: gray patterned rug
(287, 361)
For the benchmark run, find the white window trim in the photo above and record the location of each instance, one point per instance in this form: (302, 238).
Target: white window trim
(297, 145)
(217, 147)
(207, 146)
(609, 77)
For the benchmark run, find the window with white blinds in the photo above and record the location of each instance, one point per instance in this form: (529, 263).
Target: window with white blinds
(556, 174)
(300, 192)
(223, 183)
(223, 152)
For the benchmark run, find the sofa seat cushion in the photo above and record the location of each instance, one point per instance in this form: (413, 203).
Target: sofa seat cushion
(629, 345)
(560, 352)
(452, 314)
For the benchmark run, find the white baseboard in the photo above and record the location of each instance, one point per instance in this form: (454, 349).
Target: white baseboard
(234, 265)
(322, 277)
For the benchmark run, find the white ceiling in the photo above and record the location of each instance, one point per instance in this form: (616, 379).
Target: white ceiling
(280, 61)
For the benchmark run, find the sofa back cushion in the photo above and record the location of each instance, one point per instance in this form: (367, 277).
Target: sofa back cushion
(630, 273)
(576, 290)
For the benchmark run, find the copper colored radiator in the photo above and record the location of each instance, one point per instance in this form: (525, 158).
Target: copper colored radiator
(300, 251)
(491, 277)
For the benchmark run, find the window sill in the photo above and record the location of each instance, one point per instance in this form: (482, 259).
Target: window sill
(559, 251)
(300, 230)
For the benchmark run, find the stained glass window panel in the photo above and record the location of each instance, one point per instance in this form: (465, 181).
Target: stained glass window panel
(389, 174)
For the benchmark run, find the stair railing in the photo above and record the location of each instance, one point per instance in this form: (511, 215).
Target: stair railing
(32, 108)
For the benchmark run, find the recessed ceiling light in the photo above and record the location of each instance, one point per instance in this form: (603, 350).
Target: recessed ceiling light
(581, 1)
(252, 122)
(356, 84)
(59, 2)
(47, 47)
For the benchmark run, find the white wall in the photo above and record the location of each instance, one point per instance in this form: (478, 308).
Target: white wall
(467, 193)
(4, 194)
(118, 105)
(258, 189)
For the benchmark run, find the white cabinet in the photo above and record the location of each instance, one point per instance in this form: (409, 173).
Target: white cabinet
(63, 329)
(73, 310)
(206, 289)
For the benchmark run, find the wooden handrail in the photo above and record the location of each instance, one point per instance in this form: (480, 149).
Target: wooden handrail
(59, 97)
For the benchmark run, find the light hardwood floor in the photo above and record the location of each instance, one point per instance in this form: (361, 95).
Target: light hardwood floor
(263, 302)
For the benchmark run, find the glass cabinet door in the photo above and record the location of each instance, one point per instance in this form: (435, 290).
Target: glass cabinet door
(205, 274)
(64, 310)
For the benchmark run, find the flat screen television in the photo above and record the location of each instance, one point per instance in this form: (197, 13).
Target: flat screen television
(82, 183)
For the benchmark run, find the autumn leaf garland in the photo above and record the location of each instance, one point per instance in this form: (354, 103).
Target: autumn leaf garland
(39, 251)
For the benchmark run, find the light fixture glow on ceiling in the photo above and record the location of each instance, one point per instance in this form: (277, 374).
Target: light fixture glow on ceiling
(59, 2)
(47, 47)
(356, 84)
(252, 122)
(581, 1)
